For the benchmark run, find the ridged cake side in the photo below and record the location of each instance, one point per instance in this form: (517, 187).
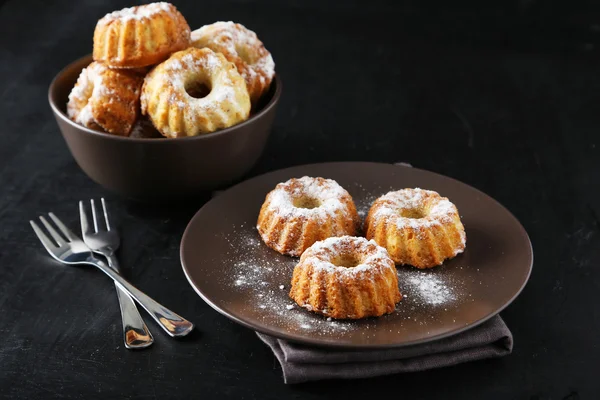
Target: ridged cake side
(140, 36)
(176, 113)
(289, 226)
(417, 227)
(324, 284)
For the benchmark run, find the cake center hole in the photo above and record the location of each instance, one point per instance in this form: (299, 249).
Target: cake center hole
(197, 89)
(306, 202)
(346, 261)
(414, 213)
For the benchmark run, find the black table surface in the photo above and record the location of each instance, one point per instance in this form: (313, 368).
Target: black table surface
(502, 96)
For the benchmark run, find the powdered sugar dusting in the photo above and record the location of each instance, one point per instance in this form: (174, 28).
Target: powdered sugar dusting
(88, 84)
(82, 90)
(438, 209)
(139, 12)
(372, 256)
(85, 116)
(194, 66)
(326, 191)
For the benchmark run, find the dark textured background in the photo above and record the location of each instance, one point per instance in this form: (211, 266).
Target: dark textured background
(504, 96)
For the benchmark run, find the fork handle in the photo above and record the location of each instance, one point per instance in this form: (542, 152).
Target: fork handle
(135, 332)
(172, 323)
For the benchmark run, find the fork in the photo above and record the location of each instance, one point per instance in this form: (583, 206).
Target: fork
(105, 242)
(70, 249)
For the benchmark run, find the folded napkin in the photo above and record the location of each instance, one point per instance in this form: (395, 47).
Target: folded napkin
(301, 363)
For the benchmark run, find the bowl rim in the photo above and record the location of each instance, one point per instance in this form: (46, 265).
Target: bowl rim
(57, 111)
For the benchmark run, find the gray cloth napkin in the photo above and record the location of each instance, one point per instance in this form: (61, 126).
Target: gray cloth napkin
(301, 363)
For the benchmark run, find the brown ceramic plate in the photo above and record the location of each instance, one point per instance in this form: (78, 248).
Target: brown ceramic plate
(234, 272)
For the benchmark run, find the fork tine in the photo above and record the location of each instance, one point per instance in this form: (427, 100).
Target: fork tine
(94, 215)
(63, 228)
(85, 225)
(55, 235)
(51, 247)
(105, 214)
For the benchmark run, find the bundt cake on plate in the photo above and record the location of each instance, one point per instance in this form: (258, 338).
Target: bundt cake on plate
(347, 278)
(417, 227)
(300, 212)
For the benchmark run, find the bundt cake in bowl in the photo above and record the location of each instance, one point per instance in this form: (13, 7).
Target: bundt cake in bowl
(148, 168)
(140, 36)
(417, 227)
(166, 94)
(346, 278)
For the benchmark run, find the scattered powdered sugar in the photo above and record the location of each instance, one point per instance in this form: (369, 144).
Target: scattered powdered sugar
(430, 288)
(364, 204)
(139, 12)
(364, 198)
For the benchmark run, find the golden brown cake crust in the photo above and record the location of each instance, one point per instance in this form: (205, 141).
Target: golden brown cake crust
(140, 36)
(300, 212)
(346, 278)
(105, 99)
(175, 113)
(242, 47)
(417, 227)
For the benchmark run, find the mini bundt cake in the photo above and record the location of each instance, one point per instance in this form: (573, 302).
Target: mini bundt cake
(195, 91)
(417, 227)
(140, 36)
(242, 47)
(105, 99)
(346, 277)
(300, 212)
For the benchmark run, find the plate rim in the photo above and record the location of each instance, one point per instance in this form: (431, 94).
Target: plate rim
(334, 344)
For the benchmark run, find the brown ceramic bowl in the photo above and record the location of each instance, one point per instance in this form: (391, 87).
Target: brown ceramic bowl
(155, 169)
